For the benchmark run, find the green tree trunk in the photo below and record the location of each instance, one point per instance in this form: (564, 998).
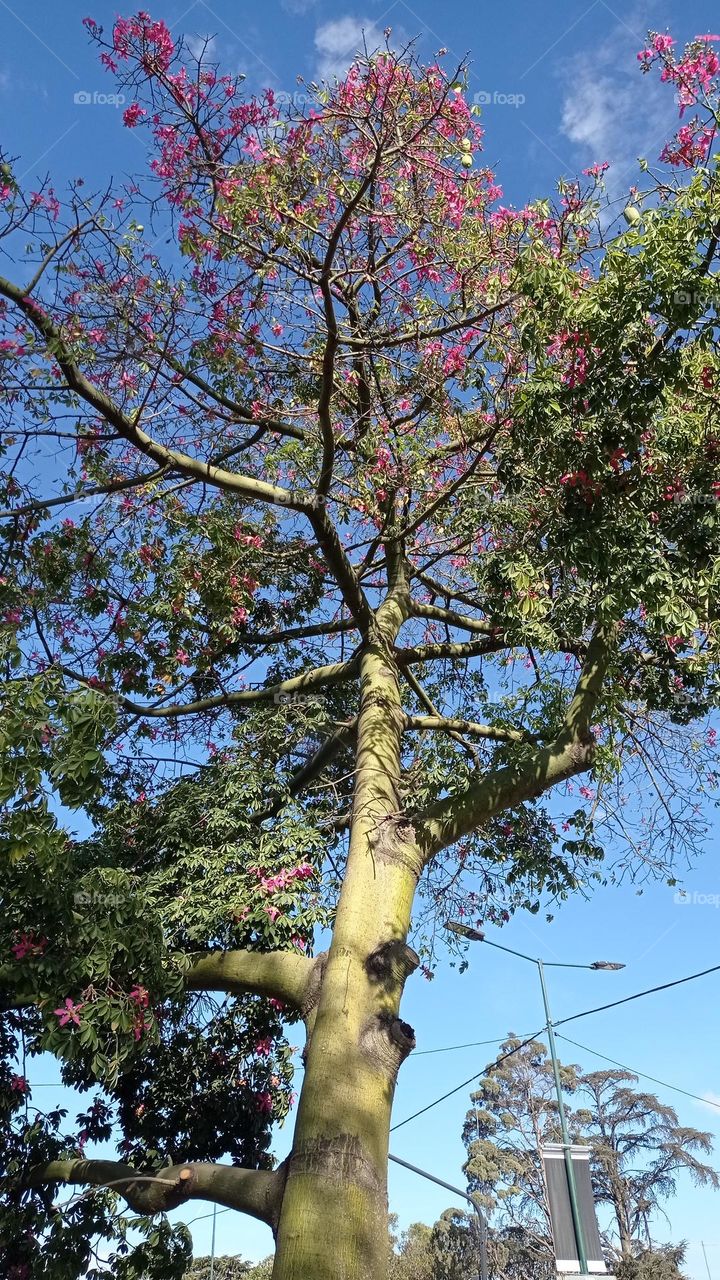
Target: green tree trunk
(333, 1219)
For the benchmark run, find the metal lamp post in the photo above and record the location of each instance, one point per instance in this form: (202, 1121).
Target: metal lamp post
(474, 935)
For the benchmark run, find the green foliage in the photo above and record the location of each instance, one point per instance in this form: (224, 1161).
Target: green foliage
(663, 1262)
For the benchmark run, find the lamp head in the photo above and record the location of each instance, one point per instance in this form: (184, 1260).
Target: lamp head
(464, 931)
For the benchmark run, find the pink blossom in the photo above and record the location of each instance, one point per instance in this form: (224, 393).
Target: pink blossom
(69, 1013)
(264, 1102)
(597, 170)
(28, 945)
(133, 114)
(19, 1084)
(273, 913)
(264, 1047)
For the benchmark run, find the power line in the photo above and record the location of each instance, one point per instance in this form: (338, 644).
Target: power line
(665, 986)
(633, 1070)
(449, 1048)
(474, 1044)
(465, 1083)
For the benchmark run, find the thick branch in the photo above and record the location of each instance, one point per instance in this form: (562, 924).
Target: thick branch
(447, 725)
(453, 619)
(282, 974)
(447, 649)
(103, 404)
(318, 678)
(572, 752)
(337, 560)
(312, 767)
(257, 1192)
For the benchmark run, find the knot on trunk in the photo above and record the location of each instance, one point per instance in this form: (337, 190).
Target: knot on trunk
(394, 841)
(386, 1041)
(583, 751)
(391, 964)
(311, 994)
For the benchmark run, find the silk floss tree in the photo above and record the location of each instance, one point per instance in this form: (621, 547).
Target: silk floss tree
(348, 517)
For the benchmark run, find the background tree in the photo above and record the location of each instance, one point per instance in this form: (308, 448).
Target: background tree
(225, 1268)
(514, 1114)
(411, 1256)
(392, 511)
(639, 1148)
(661, 1263)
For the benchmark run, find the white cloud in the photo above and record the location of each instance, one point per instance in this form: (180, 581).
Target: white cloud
(338, 41)
(204, 47)
(610, 111)
(712, 1103)
(298, 6)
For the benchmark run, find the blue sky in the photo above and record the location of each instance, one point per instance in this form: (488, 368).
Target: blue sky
(561, 89)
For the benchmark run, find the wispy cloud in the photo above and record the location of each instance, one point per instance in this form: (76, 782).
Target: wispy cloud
(203, 48)
(711, 1102)
(338, 41)
(610, 111)
(298, 6)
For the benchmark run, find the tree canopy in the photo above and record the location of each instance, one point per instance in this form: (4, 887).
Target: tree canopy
(348, 514)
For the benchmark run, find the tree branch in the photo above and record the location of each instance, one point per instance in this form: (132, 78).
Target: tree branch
(448, 649)
(453, 619)
(102, 403)
(257, 1192)
(325, 753)
(282, 974)
(447, 725)
(572, 752)
(318, 678)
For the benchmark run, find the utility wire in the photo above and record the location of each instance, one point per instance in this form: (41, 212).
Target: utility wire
(665, 986)
(474, 1044)
(633, 1070)
(465, 1083)
(449, 1048)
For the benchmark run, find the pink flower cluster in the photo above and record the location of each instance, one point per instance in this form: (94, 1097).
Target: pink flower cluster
(689, 147)
(273, 884)
(149, 41)
(28, 945)
(573, 349)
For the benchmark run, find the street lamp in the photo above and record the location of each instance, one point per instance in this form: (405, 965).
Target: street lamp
(474, 935)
